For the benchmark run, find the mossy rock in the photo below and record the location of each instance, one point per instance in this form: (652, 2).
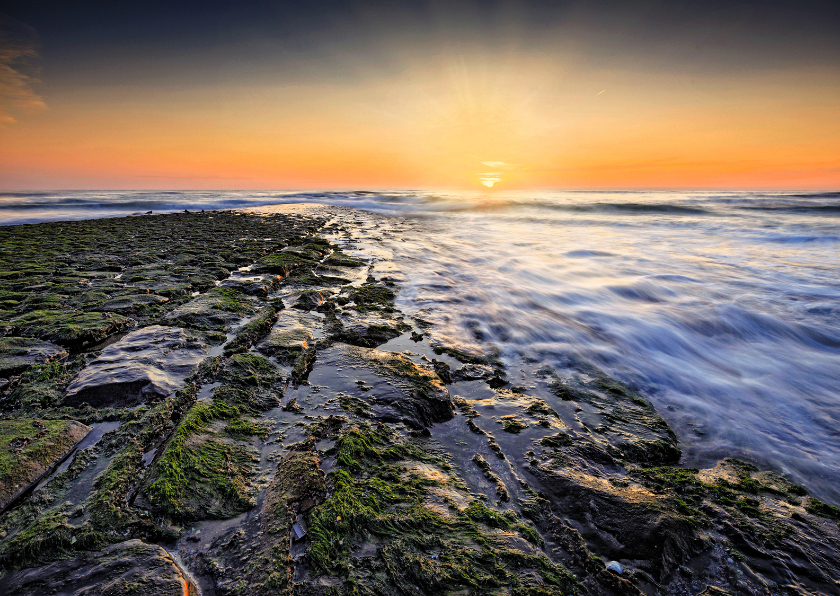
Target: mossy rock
(131, 303)
(70, 329)
(368, 329)
(202, 474)
(634, 431)
(257, 285)
(512, 424)
(19, 353)
(401, 390)
(291, 335)
(375, 295)
(254, 330)
(30, 448)
(419, 547)
(339, 259)
(41, 301)
(213, 311)
(41, 387)
(249, 371)
(311, 299)
(282, 263)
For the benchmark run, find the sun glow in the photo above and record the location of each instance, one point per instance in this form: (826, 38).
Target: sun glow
(383, 110)
(488, 179)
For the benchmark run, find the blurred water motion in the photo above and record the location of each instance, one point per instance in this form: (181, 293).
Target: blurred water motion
(723, 307)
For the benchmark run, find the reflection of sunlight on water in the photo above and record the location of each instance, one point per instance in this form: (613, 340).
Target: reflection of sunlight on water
(491, 203)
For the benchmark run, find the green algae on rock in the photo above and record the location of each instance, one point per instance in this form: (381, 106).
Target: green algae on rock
(205, 470)
(130, 303)
(254, 330)
(30, 448)
(214, 311)
(398, 497)
(19, 353)
(72, 330)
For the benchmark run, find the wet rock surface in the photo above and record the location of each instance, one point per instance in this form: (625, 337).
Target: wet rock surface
(291, 335)
(31, 448)
(263, 409)
(146, 364)
(131, 567)
(19, 353)
(398, 389)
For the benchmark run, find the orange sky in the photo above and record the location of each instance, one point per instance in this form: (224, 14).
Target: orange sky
(556, 118)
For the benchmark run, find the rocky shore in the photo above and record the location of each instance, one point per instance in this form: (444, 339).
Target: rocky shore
(229, 403)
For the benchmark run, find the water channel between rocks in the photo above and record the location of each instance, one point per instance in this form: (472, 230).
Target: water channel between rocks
(384, 397)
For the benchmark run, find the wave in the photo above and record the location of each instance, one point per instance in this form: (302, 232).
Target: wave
(802, 239)
(593, 207)
(30, 207)
(817, 195)
(794, 208)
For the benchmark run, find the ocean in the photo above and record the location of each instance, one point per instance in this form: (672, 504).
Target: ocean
(722, 307)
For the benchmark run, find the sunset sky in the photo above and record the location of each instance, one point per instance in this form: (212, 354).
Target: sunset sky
(336, 95)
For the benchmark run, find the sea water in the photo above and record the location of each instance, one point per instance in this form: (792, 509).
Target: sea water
(722, 307)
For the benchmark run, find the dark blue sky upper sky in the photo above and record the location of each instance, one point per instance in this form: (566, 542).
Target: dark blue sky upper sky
(122, 38)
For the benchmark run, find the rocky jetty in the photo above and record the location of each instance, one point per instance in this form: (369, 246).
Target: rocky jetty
(225, 403)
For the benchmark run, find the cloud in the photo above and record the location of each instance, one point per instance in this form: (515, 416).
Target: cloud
(18, 46)
(488, 179)
(498, 165)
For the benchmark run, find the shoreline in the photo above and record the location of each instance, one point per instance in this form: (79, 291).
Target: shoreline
(267, 391)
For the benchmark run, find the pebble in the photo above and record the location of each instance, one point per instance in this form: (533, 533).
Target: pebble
(615, 566)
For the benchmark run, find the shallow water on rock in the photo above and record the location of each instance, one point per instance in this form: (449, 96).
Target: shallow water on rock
(724, 308)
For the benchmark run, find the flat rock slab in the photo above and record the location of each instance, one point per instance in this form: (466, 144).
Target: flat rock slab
(72, 329)
(256, 285)
(19, 353)
(395, 388)
(369, 329)
(148, 363)
(131, 567)
(30, 448)
(293, 333)
(132, 303)
(203, 313)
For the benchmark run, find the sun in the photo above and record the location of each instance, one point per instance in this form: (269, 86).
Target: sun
(488, 179)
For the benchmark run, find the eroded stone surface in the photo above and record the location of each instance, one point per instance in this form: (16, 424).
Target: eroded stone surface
(209, 311)
(30, 448)
(19, 353)
(148, 363)
(369, 329)
(400, 389)
(71, 329)
(130, 567)
(292, 334)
